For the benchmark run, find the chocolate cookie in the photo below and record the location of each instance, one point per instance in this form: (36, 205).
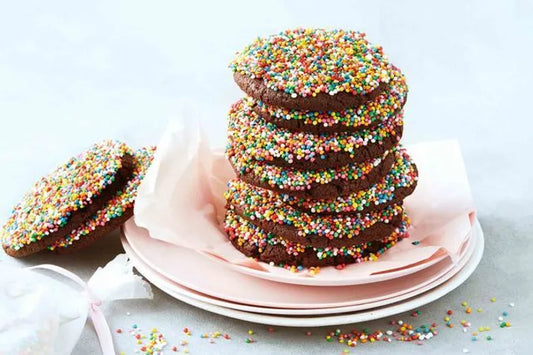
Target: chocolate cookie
(312, 69)
(254, 242)
(314, 184)
(63, 200)
(115, 212)
(257, 89)
(383, 225)
(399, 183)
(265, 209)
(250, 136)
(369, 115)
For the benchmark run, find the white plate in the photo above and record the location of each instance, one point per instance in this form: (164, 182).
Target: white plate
(346, 318)
(444, 272)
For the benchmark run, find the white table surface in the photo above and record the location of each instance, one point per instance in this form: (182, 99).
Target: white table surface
(72, 73)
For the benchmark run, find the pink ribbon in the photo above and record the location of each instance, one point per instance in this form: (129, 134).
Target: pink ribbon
(97, 316)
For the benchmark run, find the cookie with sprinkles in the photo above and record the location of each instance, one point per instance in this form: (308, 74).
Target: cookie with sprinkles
(266, 210)
(115, 212)
(254, 138)
(61, 201)
(254, 242)
(317, 183)
(393, 188)
(369, 115)
(312, 69)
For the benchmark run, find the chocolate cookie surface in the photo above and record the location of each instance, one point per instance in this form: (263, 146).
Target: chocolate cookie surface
(115, 212)
(62, 200)
(254, 242)
(369, 115)
(312, 69)
(252, 137)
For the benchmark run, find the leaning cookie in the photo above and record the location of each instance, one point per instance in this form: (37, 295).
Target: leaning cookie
(62, 200)
(312, 69)
(115, 213)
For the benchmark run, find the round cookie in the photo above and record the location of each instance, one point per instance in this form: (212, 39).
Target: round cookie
(387, 104)
(254, 242)
(115, 212)
(312, 69)
(314, 184)
(250, 136)
(399, 183)
(62, 200)
(265, 209)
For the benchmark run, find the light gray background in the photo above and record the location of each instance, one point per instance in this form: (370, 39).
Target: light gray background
(72, 73)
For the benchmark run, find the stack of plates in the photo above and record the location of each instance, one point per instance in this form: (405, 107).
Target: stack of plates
(285, 299)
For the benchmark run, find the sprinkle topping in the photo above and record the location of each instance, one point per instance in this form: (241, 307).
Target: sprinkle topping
(382, 108)
(299, 180)
(402, 175)
(250, 135)
(306, 62)
(70, 187)
(116, 207)
(247, 233)
(262, 204)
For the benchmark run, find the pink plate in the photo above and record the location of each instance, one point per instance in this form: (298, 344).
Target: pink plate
(176, 289)
(204, 275)
(331, 319)
(329, 276)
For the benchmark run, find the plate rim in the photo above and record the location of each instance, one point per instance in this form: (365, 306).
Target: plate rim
(313, 281)
(205, 298)
(352, 317)
(245, 301)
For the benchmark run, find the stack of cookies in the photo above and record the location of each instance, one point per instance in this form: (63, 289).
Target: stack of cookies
(321, 176)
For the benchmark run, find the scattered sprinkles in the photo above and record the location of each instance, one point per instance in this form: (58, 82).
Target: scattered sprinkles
(151, 344)
(397, 330)
(116, 207)
(52, 200)
(404, 332)
(306, 62)
(251, 137)
(261, 204)
(382, 108)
